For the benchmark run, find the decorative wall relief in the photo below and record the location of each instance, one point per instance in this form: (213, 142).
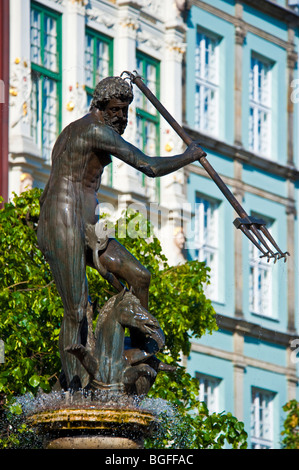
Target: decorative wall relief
(19, 91)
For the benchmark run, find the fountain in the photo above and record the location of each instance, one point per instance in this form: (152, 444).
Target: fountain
(82, 421)
(105, 372)
(108, 412)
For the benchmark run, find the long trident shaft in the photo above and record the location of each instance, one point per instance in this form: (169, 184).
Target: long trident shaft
(253, 228)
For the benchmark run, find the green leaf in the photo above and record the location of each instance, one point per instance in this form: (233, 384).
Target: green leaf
(16, 409)
(34, 381)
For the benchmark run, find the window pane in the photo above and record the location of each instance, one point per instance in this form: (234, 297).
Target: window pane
(102, 59)
(97, 58)
(260, 107)
(206, 87)
(151, 82)
(49, 113)
(50, 44)
(260, 282)
(207, 240)
(138, 96)
(209, 392)
(45, 53)
(35, 37)
(89, 61)
(35, 124)
(261, 428)
(150, 138)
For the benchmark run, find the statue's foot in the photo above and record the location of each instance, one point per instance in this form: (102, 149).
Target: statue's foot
(77, 350)
(159, 365)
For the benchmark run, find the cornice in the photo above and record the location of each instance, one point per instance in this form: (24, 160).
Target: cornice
(255, 330)
(240, 154)
(274, 9)
(270, 8)
(239, 23)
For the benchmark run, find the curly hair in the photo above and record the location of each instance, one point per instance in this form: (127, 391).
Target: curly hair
(108, 88)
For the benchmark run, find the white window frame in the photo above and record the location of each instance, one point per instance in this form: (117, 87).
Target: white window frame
(209, 391)
(260, 282)
(46, 76)
(262, 419)
(206, 109)
(260, 89)
(207, 240)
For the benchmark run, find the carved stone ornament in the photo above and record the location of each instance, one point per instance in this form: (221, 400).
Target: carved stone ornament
(181, 5)
(148, 40)
(20, 91)
(80, 2)
(240, 35)
(77, 99)
(153, 7)
(93, 14)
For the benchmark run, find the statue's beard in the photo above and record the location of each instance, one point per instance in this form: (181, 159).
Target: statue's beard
(118, 125)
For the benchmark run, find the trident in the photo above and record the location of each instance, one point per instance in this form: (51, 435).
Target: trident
(254, 228)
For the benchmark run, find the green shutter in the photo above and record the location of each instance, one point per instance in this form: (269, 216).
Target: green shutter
(46, 66)
(147, 115)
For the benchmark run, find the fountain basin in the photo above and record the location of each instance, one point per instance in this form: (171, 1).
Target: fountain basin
(93, 428)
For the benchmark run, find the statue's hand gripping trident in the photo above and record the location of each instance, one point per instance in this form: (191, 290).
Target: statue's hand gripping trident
(255, 229)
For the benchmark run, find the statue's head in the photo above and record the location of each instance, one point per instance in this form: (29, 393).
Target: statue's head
(112, 97)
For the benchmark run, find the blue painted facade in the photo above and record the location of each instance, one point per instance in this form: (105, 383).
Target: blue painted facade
(252, 354)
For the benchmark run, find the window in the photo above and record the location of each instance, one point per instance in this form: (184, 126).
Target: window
(261, 429)
(260, 107)
(260, 282)
(209, 392)
(98, 60)
(98, 64)
(207, 239)
(148, 137)
(46, 78)
(206, 83)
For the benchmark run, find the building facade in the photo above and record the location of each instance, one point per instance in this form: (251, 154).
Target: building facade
(227, 69)
(4, 101)
(241, 77)
(59, 50)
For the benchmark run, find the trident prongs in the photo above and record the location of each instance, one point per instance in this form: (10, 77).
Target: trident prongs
(280, 254)
(253, 228)
(131, 75)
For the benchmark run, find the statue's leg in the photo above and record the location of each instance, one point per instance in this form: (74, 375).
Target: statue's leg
(124, 265)
(64, 249)
(85, 357)
(141, 377)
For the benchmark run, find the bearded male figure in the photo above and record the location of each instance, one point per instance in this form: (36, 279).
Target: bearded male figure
(68, 206)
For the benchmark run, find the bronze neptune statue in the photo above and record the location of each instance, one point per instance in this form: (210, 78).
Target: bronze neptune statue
(68, 209)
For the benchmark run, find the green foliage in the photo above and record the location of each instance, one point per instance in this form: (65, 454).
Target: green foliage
(198, 430)
(291, 425)
(31, 313)
(31, 309)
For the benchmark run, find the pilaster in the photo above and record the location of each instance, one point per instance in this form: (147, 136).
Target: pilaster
(291, 270)
(238, 243)
(240, 34)
(74, 95)
(126, 179)
(291, 64)
(20, 77)
(239, 369)
(172, 186)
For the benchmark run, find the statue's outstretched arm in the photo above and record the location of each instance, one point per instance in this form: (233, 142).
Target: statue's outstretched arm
(108, 140)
